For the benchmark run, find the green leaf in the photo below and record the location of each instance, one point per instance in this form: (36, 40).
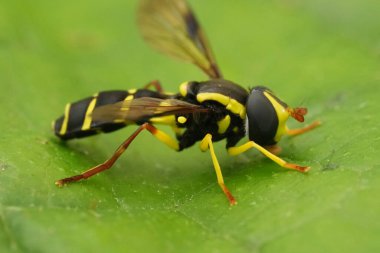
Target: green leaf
(319, 54)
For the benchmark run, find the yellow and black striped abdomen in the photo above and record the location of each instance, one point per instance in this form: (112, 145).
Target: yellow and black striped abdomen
(77, 120)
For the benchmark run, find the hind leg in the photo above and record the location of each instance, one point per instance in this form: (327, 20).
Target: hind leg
(161, 136)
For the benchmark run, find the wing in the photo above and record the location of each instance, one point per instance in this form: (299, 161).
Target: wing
(143, 108)
(171, 27)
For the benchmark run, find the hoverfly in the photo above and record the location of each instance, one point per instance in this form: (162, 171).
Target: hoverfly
(205, 111)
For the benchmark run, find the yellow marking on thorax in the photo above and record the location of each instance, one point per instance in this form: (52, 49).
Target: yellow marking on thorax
(224, 124)
(87, 118)
(231, 104)
(183, 88)
(282, 115)
(181, 120)
(65, 120)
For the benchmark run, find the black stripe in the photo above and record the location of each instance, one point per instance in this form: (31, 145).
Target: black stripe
(110, 97)
(58, 125)
(77, 114)
(149, 93)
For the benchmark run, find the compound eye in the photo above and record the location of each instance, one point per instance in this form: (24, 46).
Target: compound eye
(262, 120)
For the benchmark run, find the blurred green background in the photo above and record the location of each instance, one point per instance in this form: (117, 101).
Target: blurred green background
(321, 54)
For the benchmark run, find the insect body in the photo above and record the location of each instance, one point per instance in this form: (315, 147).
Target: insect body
(206, 111)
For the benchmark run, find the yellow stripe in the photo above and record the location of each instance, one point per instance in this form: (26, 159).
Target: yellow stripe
(231, 104)
(126, 107)
(128, 98)
(282, 115)
(65, 120)
(119, 121)
(132, 91)
(166, 120)
(168, 93)
(87, 118)
(224, 124)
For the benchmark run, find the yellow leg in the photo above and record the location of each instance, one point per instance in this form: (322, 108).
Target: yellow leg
(298, 131)
(205, 144)
(165, 138)
(276, 159)
(274, 149)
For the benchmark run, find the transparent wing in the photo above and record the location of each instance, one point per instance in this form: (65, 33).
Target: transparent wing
(143, 108)
(172, 28)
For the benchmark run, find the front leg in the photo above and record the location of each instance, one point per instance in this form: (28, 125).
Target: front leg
(251, 144)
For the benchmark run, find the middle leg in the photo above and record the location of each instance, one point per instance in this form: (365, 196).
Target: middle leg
(205, 144)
